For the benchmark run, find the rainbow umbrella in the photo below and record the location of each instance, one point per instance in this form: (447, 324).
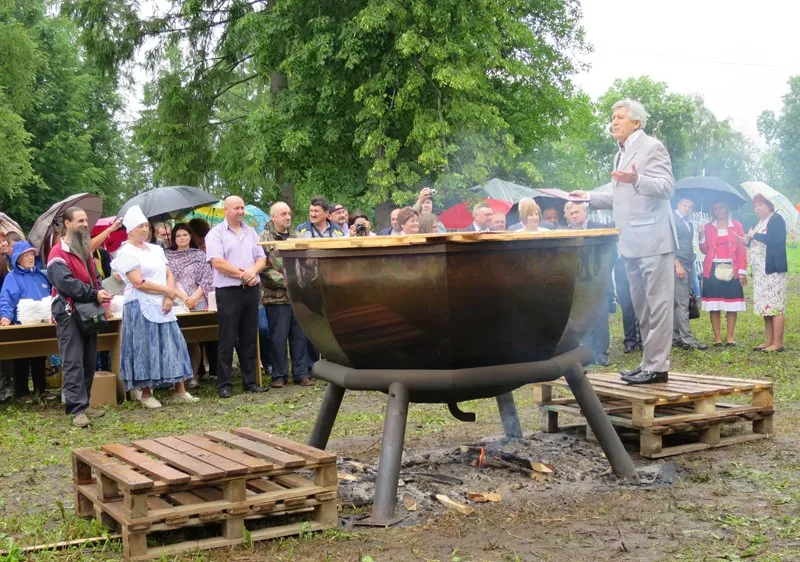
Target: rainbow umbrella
(215, 214)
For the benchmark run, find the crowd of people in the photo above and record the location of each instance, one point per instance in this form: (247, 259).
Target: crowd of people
(654, 281)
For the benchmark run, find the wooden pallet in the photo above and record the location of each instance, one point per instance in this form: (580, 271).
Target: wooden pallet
(687, 404)
(221, 478)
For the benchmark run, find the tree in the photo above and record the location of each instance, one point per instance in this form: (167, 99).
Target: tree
(57, 133)
(361, 99)
(782, 133)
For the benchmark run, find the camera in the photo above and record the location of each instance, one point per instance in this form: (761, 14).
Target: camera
(361, 229)
(433, 192)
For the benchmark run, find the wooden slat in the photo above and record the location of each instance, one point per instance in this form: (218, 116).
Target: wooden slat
(705, 383)
(633, 394)
(144, 463)
(732, 380)
(230, 467)
(690, 390)
(291, 447)
(692, 447)
(185, 498)
(209, 494)
(184, 462)
(616, 382)
(260, 485)
(255, 464)
(293, 481)
(171, 551)
(126, 478)
(259, 449)
(155, 503)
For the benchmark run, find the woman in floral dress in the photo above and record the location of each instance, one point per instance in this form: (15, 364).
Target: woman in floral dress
(194, 276)
(767, 254)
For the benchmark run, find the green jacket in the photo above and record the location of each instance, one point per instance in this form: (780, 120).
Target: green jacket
(273, 282)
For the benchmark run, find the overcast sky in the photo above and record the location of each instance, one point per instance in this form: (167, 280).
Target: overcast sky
(737, 54)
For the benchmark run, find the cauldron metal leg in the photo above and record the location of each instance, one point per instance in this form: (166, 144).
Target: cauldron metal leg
(326, 416)
(595, 415)
(394, 434)
(508, 415)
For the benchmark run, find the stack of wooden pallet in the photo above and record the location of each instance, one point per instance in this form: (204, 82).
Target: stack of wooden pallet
(689, 405)
(221, 478)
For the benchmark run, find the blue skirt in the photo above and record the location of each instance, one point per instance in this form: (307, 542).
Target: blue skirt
(153, 355)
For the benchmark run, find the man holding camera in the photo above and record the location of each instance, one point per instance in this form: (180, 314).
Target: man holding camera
(361, 226)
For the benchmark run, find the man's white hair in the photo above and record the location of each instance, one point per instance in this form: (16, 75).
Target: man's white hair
(569, 204)
(635, 109)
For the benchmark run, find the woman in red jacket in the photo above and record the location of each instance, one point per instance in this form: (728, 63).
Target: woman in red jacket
(724, 271)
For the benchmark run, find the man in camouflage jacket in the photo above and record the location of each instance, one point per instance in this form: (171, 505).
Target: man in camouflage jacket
(283, 325)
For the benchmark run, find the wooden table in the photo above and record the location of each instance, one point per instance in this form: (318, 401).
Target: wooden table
(37, 340)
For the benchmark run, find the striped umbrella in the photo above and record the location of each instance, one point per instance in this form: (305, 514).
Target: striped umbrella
(782, 205)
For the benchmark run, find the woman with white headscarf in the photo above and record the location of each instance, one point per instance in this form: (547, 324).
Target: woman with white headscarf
(154, 353)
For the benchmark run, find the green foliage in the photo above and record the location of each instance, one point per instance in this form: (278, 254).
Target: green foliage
(782, 132)
(57, 135)
(361, 100)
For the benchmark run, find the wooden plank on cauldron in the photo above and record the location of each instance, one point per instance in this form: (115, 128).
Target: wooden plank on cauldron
(259, 449)
(448, 238)
(155, 468)
(292, 447)
(255, 464)
(184, 462)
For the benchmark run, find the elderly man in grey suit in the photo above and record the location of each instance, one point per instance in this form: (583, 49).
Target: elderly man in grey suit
(642, 186)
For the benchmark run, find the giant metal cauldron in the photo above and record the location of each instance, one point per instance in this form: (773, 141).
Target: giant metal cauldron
(448, 318)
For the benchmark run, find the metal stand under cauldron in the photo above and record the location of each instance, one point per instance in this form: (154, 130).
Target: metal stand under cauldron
(405, 386)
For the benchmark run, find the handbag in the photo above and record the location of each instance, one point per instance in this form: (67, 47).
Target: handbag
(724, 272)
(91, 317)
(694, 309)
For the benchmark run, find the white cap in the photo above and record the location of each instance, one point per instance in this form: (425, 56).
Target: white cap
(133, 218)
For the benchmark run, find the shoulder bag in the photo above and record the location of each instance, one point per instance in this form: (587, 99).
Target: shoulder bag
(724, 272)
(694, 309)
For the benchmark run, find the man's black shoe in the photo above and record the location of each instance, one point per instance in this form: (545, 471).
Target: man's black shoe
(225, 393)
(257, 389)
(630, 372)
(629, 347)
(647, 377)
(601, 360)
(695, 345)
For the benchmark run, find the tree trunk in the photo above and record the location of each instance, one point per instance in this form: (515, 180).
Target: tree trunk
(278, 83)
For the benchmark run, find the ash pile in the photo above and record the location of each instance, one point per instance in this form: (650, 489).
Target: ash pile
(495, 470)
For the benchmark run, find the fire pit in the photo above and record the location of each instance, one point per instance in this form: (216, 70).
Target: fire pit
(448, 318)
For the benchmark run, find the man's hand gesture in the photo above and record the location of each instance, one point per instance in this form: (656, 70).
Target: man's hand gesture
(630, 177)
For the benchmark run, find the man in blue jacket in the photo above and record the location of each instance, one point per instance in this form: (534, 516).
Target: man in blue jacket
(24, 281)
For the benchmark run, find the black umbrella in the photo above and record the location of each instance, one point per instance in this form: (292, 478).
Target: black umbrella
(159, 203)
(707, 190)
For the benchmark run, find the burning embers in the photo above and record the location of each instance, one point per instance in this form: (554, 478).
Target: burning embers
(477, 456)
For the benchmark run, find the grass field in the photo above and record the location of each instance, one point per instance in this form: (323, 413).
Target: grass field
(742, 502)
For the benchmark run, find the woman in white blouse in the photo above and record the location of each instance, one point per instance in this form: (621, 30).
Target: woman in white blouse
(154, 353)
